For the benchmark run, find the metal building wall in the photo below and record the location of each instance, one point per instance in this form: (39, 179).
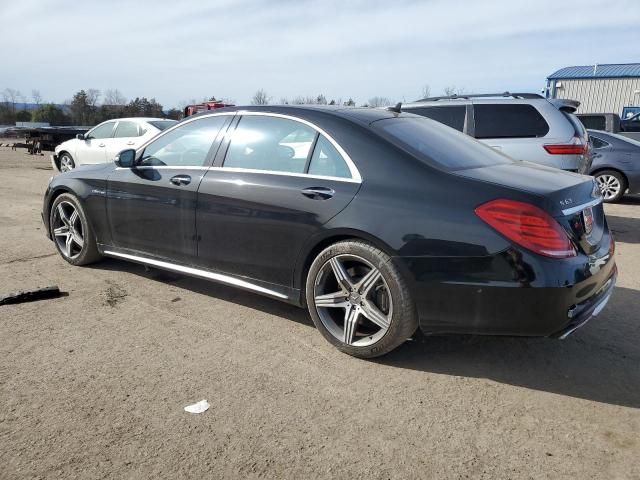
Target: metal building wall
(600, 95)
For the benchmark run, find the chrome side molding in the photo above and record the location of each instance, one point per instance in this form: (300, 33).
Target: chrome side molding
(216, 277)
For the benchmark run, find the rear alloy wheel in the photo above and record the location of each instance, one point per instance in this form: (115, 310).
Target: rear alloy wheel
(358, 300)
(66, 163)
(612, 185)
(71, 231)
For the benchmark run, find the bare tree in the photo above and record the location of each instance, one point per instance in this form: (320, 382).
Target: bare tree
(284, 101)
(261, 97)
(350, 103)
(453, 90)
(379, 102)
(93, 95)
(114, 97)
(426, 91)
(11, 97)
(449, 90)
(37, 98)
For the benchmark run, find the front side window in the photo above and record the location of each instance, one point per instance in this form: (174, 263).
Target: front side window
(101, 131)
(186, 146)
(508, 121)
(270, 143)
(127, 129)
(451, 116)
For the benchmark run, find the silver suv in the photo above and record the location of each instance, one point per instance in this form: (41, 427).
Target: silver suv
(524, 126)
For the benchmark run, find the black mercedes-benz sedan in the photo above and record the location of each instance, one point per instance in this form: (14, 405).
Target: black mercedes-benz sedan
(376, 221)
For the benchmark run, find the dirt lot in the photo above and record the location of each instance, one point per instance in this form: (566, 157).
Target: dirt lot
(93, 385)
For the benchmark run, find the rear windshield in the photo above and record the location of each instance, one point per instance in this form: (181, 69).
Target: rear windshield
(437, 144)
(162, 124)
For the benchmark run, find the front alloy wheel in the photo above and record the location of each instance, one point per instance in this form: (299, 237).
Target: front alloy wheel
(66, 163)
(358, 299)
(67, 230)
(71, 232)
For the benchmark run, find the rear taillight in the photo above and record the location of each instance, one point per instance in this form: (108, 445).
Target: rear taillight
(528, 226)
(566, 149)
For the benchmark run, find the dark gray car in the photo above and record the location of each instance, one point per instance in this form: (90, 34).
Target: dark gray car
(616, 164)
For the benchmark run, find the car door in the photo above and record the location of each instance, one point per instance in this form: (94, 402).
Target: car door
(151, 207)
(265, 197)
(126, 135)
(92, 149)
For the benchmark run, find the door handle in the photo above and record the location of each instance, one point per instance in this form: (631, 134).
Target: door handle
(181, 180)
(131, 143)
(101, 144)
(318, 193)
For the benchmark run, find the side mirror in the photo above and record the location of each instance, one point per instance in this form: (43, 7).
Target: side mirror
(80, 136)
(126, 158)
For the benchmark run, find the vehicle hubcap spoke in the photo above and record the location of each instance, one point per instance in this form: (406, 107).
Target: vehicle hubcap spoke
(368, 281)
(341, 274)
(351, 315)
(336, 299)
(373, 313)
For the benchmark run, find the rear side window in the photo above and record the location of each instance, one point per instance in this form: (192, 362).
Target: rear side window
(127, 129)
(508, 121)
(594, 122)
(438, 145)
(450, 116)
(327, 161)
(597, 143)
(270, 143)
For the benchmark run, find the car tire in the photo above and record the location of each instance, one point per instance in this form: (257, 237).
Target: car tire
(71, 232)
(613, 185)
(66, 162)
(359, 300)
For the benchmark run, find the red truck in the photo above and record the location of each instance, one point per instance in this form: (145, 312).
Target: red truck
(201, 107)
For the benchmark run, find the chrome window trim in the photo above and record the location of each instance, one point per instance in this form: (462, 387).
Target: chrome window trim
(163, 167)
(579, 208)
(218, 277)
(355, 173)
(285, 174)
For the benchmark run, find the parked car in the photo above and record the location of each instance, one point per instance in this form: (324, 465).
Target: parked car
(616, 164)
(630, 124)
(388, 222)
(524, 126)
(104, 141)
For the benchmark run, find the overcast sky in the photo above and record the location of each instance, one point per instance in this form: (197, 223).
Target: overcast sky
(177, 50)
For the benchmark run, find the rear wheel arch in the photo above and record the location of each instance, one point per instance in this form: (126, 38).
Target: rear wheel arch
(314, 248)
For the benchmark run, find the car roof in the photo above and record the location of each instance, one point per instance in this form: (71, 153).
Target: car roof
(362, 115)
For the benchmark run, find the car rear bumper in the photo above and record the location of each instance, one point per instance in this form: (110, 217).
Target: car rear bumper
(496, 295)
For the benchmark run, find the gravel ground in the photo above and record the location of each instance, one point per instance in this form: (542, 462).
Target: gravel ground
(93, 384)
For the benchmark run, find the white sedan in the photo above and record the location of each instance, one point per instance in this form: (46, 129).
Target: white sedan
(104, 141)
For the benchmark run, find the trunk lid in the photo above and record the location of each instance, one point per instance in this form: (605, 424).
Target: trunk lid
(573, 200)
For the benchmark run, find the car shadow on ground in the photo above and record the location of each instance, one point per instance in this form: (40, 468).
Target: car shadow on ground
(212, 289)
(625, 229)
(599, 362)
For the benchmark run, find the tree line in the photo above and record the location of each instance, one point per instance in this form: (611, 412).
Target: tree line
(91, 106)
(87, 107)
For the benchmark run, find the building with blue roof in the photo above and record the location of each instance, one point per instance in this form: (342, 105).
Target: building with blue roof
(600, 88)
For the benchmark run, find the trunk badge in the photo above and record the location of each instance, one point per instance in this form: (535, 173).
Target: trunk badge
(587, 218)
